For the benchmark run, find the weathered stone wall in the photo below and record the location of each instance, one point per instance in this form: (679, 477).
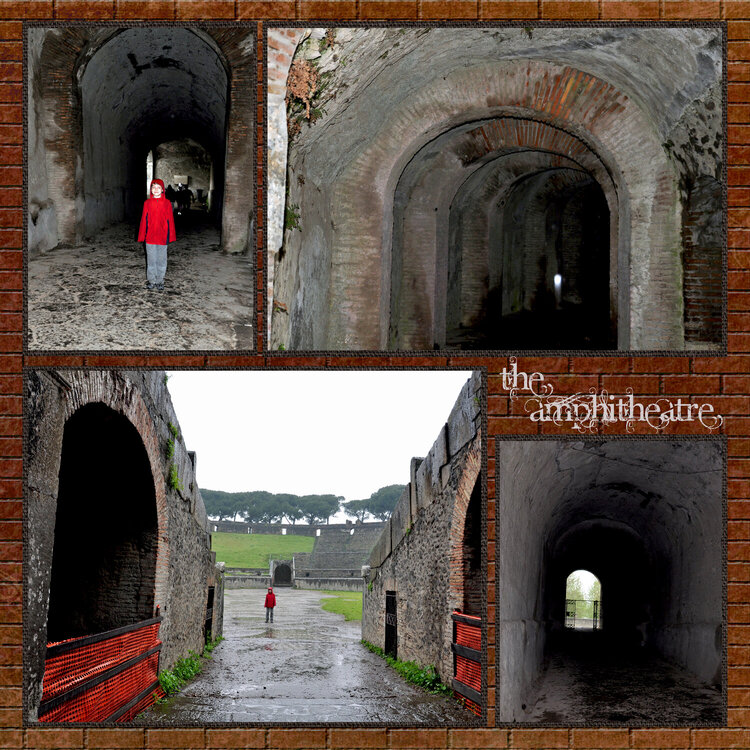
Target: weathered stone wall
(183, 563)
(643, 104)
(419, 552)
(644, 516)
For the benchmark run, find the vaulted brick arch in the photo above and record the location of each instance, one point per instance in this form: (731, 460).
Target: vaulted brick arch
(446, 284)
(584, 116)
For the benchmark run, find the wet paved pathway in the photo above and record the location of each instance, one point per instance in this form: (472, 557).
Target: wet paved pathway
(617, 688)
(309, 666)
(94, 297)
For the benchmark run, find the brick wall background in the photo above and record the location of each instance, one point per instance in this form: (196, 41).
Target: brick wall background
(722, 381)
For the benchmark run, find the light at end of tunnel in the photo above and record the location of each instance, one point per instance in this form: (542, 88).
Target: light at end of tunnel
(558, 288)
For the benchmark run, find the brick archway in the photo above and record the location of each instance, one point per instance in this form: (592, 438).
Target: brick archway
(627, 159)
(120, 396)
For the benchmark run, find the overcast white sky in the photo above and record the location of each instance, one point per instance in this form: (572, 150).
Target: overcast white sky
(311, 432)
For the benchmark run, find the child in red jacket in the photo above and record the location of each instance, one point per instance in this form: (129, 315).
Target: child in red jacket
(270, 603)
(157, 230)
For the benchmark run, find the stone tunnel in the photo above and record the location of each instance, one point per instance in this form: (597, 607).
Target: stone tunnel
(646, 518)
(116, 532)
(428, 562)
(495, 188)
(110, 107)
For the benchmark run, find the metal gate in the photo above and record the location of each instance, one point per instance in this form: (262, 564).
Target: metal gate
(583, 614)
(391, 624)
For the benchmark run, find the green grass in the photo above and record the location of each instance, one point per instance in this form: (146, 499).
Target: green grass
(426, 677)
(253, 550)
(347, 603)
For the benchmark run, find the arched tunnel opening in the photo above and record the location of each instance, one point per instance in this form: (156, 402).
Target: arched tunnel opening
(502, 238)
(106, 533)
(645, 518)
(282, 575)
(583, 601)
(142, 89)
(471, 557)
(109, 109)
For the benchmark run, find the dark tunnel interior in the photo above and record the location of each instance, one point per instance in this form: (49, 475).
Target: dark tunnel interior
(140, 90)
(645, 518)
(106, 538)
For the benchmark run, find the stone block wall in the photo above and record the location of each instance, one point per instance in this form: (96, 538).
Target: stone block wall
(419, 552)
(175, 578)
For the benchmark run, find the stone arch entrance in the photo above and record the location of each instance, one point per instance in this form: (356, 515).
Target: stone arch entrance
(282, 575)
(103, 571)
(495, 211)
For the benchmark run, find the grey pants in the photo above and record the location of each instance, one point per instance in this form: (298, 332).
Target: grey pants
(269, 611)
(156, 263)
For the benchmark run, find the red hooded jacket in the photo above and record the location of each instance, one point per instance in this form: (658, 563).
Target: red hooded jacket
(270, 600)
(157, 220)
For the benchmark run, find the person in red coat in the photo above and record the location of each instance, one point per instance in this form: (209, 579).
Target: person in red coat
(270, 603)
(157, 231)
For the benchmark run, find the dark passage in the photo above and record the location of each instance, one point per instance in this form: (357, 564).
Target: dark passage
(104, 559)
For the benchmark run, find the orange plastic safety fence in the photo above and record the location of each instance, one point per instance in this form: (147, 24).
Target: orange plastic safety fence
(101, 701)
(65, 671)
(469, 635)
(75, 686)
(469, 704)
(156, 694)
(469, 673)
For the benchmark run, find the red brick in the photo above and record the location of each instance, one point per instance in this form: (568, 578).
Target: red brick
(26, 9)
(645, 739)
(600, 364)
(357, 738)
(449, 9)
(145, 9)
(334, 9)
(388, 10)
(600, 738)
(539, 738)
(54, 738)
(625, 9)
(175, 738)
(641, 384)
(88, 9)
(511, 426)
(235, 738)
(570, 9)
(721, 738)
(418, 738)
(696, 384)
(737, 9)
(265, 9)
(489, 9)
(115, 738)
(205, 9)
(685, 9)
(661, 364)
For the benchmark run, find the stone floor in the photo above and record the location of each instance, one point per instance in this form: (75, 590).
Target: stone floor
(605, 686)
(307, 667)
(94, 297)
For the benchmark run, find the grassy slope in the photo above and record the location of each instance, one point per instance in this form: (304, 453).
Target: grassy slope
(347, 603)
(253, 550)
